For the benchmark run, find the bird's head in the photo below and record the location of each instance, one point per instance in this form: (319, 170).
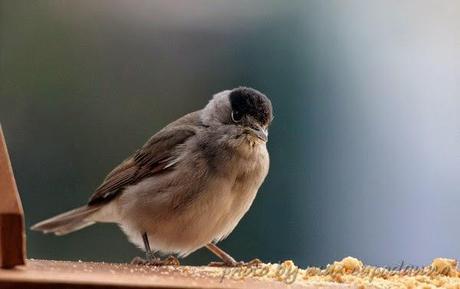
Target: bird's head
(244, 107)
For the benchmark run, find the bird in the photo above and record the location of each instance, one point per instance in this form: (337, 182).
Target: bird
(189, 185)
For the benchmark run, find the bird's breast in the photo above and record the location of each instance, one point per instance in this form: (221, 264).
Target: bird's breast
(245, 180)
(196, 203)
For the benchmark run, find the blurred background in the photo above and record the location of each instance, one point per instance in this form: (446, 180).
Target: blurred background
(365, 146)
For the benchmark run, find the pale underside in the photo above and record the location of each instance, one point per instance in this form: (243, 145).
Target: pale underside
(193, 204)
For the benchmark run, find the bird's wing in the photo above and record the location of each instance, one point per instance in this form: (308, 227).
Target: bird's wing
(156, 156)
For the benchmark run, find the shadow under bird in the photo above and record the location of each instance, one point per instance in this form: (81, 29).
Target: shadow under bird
(189, 185)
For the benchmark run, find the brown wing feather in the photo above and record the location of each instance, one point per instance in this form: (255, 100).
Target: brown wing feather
(149, 160)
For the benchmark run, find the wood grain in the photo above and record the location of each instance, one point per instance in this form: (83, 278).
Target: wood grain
(59, 275)
(12, 234)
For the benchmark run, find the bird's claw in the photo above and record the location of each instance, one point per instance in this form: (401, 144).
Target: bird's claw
(153, 261)
(171, 261)
(138, 261)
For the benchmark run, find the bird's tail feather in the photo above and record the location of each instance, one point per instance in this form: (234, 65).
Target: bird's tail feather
(67, 222)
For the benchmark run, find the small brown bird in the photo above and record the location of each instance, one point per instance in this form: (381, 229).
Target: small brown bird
(189, 185)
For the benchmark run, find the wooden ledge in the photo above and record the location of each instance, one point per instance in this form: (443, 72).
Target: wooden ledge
(60, 274)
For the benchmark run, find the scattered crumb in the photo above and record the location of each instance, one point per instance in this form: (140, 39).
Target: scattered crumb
(445, 266)
(351, 264)
(442, 273)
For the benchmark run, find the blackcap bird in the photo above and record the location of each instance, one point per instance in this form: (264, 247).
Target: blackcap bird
(189, 185)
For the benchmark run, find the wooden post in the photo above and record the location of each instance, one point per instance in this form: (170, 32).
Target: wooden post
(12, 233)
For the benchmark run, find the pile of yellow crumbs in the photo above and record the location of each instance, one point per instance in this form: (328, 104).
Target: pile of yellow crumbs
(442, 273)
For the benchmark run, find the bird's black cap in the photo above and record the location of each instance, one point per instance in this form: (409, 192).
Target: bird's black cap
(248, 101)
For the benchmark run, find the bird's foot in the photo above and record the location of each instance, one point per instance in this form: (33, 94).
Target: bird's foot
(153, 261)
(171, 261)
(253, 263)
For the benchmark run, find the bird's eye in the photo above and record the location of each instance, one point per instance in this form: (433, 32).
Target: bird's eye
(236, 116)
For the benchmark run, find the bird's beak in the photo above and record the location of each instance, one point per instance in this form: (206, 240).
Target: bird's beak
(258, 132)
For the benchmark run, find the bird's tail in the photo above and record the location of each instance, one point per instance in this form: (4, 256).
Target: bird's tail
(68, 222)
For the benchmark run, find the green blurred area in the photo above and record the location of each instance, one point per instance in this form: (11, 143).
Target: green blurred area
(85, 83)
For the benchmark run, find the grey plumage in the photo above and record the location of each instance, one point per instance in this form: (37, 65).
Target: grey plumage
(191, 182)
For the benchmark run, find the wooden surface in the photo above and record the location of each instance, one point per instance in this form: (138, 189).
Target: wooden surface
(12, 236)
(59, 274)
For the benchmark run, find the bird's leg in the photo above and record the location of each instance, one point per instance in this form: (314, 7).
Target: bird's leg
(227, 260)
(150, 256)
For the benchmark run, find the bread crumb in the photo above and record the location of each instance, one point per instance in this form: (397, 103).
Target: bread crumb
(350, 264)
(445, 266)
(442, 273)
